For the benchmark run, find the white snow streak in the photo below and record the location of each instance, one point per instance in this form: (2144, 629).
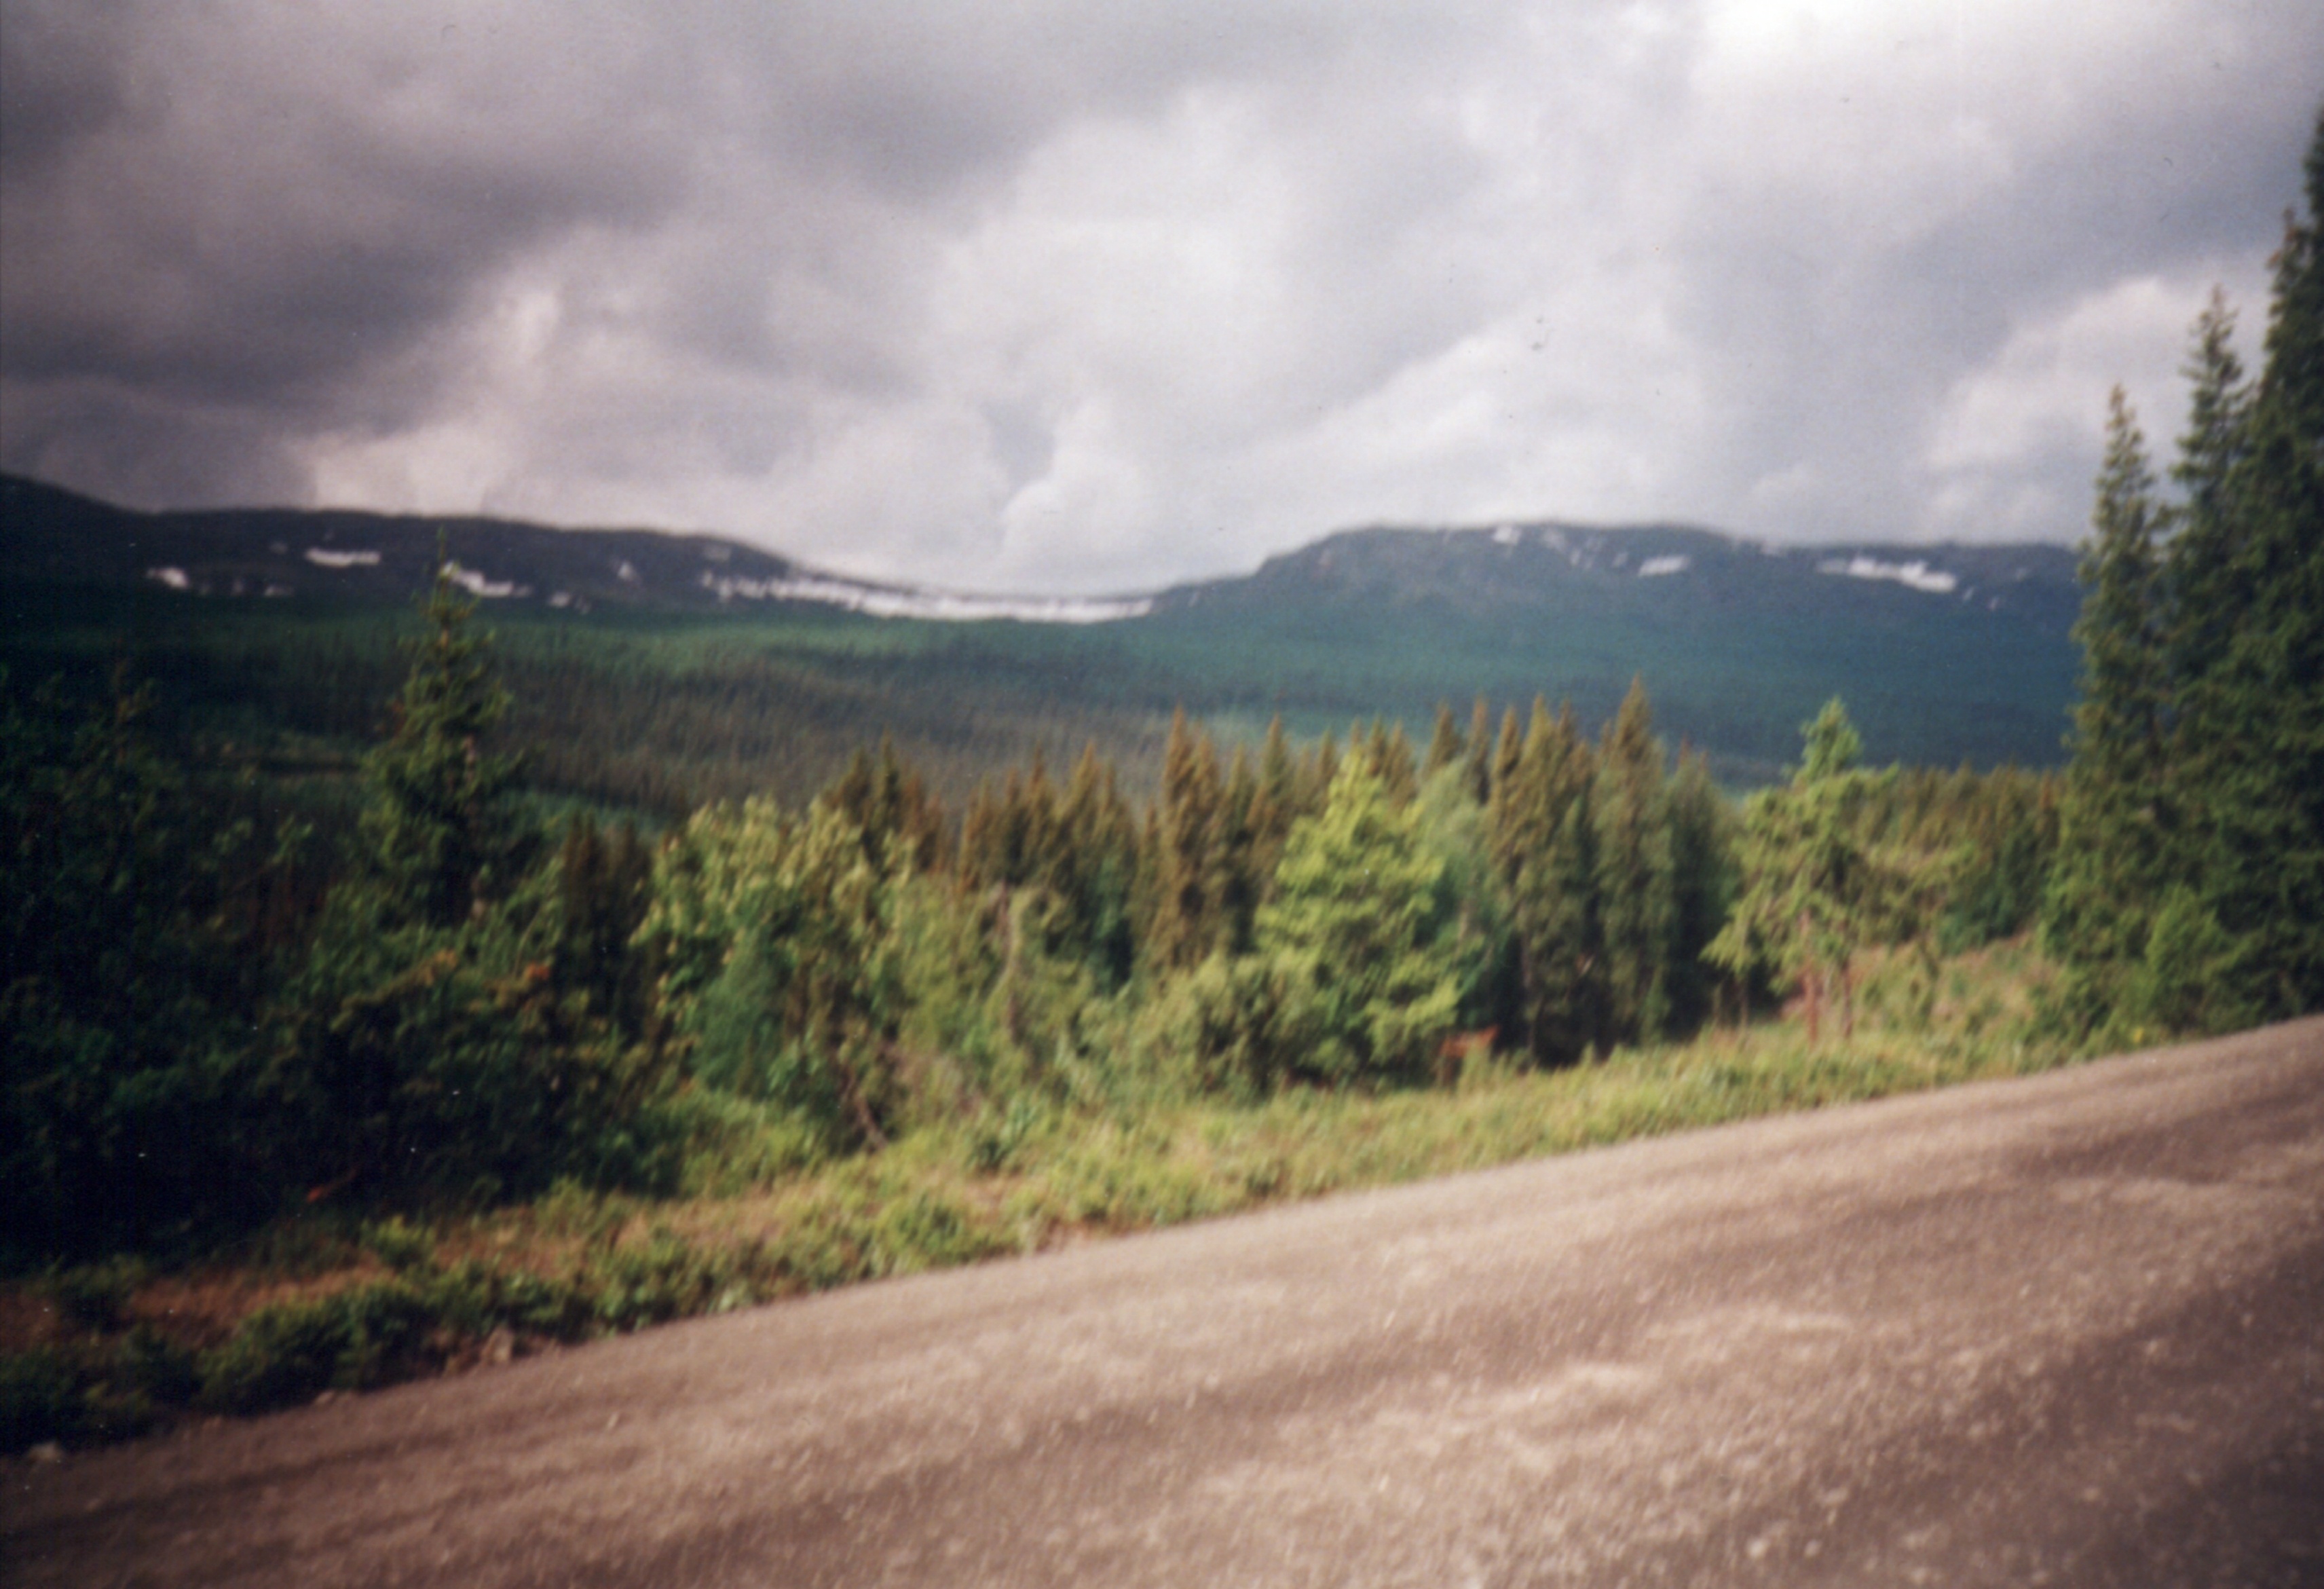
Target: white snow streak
(926, 604)
(1918, 574)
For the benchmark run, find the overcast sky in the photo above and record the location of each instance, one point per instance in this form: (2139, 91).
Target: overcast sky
(1095, 297)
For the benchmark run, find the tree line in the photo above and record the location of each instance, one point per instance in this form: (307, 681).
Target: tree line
(218, 1011)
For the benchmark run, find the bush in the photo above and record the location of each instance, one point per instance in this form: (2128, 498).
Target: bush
(348, 1340)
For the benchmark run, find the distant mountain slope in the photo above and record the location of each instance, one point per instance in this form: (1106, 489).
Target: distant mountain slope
(1651, 569)
(1943, 652)
(57, 536)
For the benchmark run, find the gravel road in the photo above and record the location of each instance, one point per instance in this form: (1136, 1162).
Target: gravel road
(2067, 1330)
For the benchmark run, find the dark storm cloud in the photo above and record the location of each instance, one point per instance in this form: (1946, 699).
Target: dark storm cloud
(261, 232)
(1054, 296)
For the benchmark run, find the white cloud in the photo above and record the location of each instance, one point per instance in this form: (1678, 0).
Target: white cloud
(2013, 437)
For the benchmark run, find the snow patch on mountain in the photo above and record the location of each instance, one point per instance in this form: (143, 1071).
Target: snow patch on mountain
(880, 602)
(1915, 574)
(323, 557)
(1656, 567)
(479, 584)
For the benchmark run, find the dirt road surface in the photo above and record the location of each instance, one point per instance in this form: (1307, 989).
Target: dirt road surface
(2068, 1330)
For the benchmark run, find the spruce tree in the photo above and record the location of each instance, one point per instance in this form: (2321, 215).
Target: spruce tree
(1357, 915)
(1702, 883)
(2201, 560)
(1237, 884)
(2113, 825)
(1101, 840)
(1816, 888)
(1637, 905)
(1446, 745)
(1545, 844)
(1184, 923)
(2254, 740)
(1478, 765)
(441, 826)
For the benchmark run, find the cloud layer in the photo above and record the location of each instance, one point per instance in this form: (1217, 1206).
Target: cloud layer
(1055, 298)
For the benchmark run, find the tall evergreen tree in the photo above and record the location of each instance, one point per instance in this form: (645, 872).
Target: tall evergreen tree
(1703, 884)
(2254, 740)
(1478, 765)
(442, 828)
(2201, 562)
(1357, 910)
(1637, 902)
(1446, 745)
(1184, 921)
(2113, 825)
(1816, 888)
(889, 804)
(1545, 842)
(1237, 884)
(1101, 839)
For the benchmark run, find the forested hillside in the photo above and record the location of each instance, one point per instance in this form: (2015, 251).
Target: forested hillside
(653, 672)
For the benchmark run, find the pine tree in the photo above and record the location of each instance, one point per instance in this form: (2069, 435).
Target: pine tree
(2114, 826)
(442, 828)
(605, 887)
(1507, 748)
(1237, 884)
(2253, 761)
(1637, 904)
(890, 806)
(1446, 745)
(1101, 840)
(1545, 845)
(1276, 804)
(1479, 761)
(1356, 911)
(2201, 558)
(1703, 884)
(1815, 890)
(1185, 924)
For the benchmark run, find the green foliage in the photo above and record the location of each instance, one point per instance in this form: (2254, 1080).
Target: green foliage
(2193, 976)
(1635, 885)
(140, 913)
(1703, 887)
(468, 1025)
(604, 886)
(1188, 857)
(2198, 782)
(891, 808)
(2250, 753)
(2115, 822)
(777, 933)
(1453, 828)
(1817, 887)
(420, 1062)
(350, 1340)
(1356, 915)
(441, 825)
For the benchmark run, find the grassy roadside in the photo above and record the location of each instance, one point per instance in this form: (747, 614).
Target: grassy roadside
(334, 1304)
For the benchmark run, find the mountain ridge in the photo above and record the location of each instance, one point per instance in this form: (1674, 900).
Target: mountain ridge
(1943, 654)
(59, 536)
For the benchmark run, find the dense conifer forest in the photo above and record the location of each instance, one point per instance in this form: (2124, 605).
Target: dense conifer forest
(239, 993)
